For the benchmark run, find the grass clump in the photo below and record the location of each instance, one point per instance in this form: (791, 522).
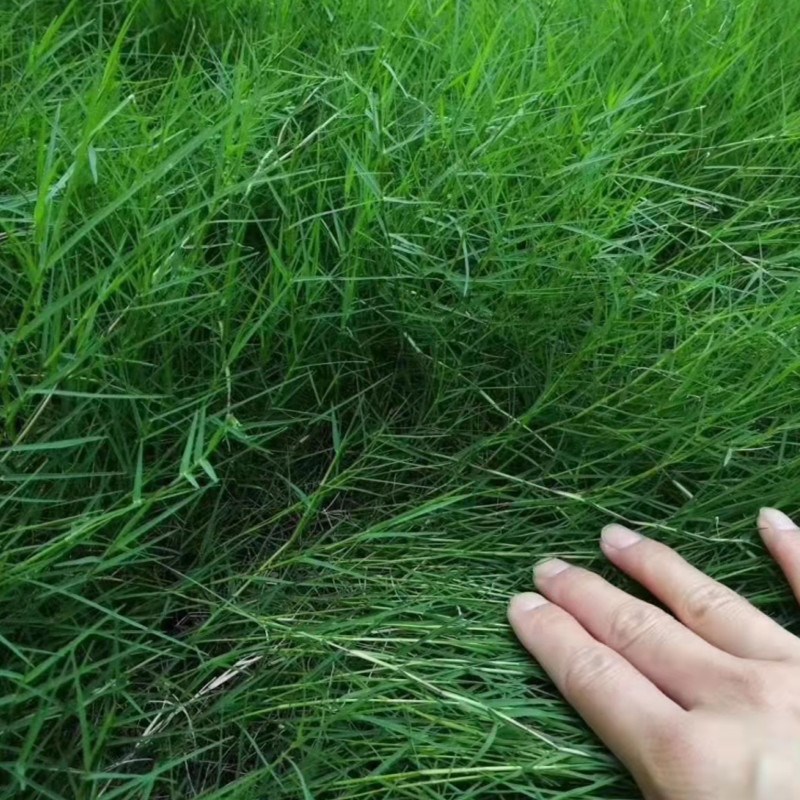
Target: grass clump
(321, 323)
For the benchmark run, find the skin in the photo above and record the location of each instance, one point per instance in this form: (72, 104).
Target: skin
(700, 705)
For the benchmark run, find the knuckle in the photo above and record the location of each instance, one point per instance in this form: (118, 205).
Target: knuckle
(587, 669)
(751, 686)
(668, 749)
(709, 599)
(631, 622)
(669, 743)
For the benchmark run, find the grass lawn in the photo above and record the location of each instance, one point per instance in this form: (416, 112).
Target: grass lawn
(322, 322)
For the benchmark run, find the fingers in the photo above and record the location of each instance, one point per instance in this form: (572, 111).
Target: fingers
(679, 662)
(616, 700)
(782, 538)
(712, 610)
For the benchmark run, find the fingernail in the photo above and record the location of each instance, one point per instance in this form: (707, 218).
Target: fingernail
(776, 521)
(527, 601)
(549, 568)
(618, 537)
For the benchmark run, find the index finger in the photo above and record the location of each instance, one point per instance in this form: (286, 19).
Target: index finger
(620, 705)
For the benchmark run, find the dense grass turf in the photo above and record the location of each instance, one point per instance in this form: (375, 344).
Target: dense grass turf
(322, 322)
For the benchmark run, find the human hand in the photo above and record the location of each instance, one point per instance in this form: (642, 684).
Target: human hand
(699, 707)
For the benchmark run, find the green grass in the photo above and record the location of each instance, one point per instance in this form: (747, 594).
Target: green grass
(322, 322)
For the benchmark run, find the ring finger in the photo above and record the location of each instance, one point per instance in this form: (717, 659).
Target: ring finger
(679, 662)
